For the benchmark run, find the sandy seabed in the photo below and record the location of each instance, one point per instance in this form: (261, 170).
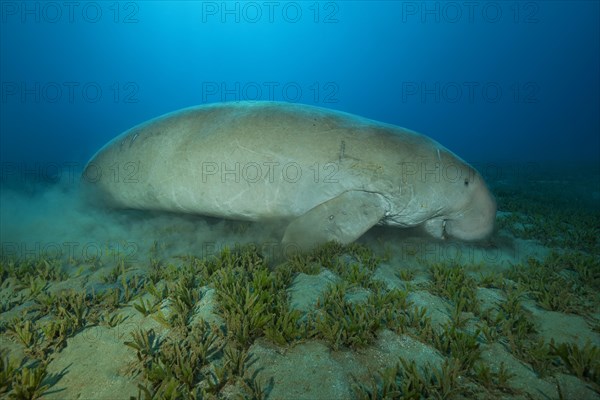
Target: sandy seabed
(395, 315)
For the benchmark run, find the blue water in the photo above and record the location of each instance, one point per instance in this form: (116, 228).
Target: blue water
(513, 87)
(492, 81)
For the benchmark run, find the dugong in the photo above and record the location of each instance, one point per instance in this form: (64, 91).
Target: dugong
(327, 174)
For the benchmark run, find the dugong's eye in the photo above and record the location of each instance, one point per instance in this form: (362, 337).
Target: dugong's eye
(466, 181)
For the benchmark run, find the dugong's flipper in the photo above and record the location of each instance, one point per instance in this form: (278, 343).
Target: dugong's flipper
(343, 219)
(435, 227)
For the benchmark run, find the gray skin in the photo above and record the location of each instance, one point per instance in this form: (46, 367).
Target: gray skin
(329, 175)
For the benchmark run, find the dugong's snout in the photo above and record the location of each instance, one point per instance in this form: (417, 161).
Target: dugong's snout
(475, 220)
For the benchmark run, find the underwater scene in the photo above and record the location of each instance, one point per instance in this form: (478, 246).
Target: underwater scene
(299, 200)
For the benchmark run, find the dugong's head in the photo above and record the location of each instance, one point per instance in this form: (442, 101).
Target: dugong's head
(472, 215)
(469, 210)
(449, 197)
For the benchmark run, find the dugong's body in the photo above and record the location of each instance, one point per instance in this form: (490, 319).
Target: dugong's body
(331, 175)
